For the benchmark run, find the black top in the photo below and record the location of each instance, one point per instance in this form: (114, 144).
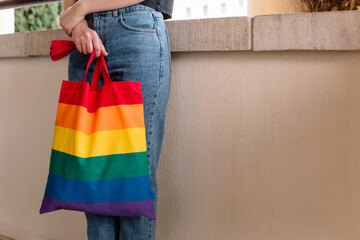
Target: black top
(163, 6)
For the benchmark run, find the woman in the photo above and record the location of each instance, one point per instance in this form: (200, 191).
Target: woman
(133, 38)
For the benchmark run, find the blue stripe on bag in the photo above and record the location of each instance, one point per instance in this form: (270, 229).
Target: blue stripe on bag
(110, 190)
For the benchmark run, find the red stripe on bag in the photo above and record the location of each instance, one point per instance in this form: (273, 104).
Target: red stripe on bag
(114, 93)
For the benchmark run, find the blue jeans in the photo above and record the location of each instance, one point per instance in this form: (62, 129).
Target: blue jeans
(137, 41)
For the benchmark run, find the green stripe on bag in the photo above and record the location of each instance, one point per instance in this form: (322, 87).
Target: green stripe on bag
(93, 168)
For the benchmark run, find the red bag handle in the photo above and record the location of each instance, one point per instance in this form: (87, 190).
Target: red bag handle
(100, 65)
(61, 48)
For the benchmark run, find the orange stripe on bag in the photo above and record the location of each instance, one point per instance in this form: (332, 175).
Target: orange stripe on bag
(105, 118)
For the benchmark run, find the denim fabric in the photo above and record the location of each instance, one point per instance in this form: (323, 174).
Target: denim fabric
(137, 41)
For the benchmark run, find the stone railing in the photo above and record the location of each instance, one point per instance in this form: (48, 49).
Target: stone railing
(276, 32)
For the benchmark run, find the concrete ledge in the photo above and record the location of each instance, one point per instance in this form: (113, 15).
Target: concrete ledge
(25, 44)
(277, 32)
(13, 45)
(213, 34)
(338, 30)
(38, 42)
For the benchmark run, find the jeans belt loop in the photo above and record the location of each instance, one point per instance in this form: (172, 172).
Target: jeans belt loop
(115, 13)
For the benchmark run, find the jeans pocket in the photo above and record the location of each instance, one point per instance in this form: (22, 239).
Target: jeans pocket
(141, 21)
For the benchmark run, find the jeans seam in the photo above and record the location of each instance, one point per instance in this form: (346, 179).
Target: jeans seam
(108, 229)
(150, 228)
(157, 93)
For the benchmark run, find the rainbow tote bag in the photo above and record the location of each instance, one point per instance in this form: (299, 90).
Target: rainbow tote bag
(98, 161)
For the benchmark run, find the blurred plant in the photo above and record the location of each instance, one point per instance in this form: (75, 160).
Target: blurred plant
(39, 17)
(329, 5)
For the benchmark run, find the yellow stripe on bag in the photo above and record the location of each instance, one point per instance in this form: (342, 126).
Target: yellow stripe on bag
(99, 143)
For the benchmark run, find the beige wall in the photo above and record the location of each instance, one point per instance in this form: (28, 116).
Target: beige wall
(261, 7)
(258, 146)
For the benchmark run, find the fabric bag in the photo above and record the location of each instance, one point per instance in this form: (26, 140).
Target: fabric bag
(99, 161)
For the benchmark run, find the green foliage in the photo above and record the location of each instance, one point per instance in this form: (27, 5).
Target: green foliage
(39, 17)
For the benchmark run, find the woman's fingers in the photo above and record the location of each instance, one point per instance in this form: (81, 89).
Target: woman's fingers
(86, 39)
(83, 46)
(103, 50)
(97, 45)
(89, 42)
(78, 46)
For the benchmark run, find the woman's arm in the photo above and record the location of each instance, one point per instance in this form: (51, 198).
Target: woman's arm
(67, 3)
(75, 13)
(85, 38)
(73, 18)
(74, 24)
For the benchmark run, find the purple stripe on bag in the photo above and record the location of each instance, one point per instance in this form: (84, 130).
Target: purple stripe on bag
(131, 209)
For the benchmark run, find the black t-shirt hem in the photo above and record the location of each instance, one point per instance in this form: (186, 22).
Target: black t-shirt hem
(165, 12)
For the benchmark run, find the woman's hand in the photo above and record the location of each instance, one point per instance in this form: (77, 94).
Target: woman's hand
(86, 39)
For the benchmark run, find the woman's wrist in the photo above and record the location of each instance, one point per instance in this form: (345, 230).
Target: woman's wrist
(82, 24)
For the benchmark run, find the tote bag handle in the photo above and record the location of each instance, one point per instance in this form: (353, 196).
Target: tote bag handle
(100, 65)
(61, 48)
